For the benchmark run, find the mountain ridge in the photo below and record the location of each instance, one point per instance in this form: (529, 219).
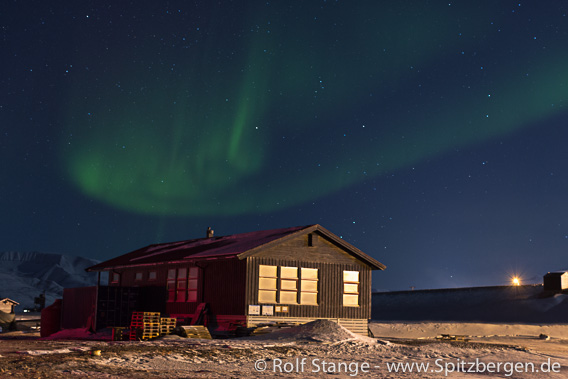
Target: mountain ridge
(25, 275)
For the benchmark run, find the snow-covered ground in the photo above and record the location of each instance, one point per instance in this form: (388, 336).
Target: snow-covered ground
(433, 329)
(498, 347)
(318, 349)
(25, 275)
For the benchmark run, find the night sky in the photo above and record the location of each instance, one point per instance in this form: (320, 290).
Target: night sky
(431, 135)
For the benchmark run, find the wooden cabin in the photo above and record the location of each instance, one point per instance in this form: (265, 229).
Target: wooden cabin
(7, 305)
(291, 275)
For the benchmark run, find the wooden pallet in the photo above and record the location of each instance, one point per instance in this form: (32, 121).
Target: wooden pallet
(149, 335)
(167, 325)
(135, 334)
(144, 325)
(153, 317)
(165, 330)
(140, 334)
(196, 331)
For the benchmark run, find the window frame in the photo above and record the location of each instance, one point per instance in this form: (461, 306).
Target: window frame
(267, 274)
(306, 279)
(348, 283)
(286, 285)
(171, 284)
(193, 275)
(181, 285)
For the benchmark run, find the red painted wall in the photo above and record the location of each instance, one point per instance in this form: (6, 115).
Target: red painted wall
(222, 285)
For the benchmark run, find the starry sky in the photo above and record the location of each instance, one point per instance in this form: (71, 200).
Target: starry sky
(432, 135)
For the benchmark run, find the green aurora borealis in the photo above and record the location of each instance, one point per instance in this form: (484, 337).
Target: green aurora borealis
(274, 108)
(430, 135)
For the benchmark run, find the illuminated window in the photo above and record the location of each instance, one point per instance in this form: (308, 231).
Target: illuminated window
(192, 284)
(280, 285)
(309, 286)
(350, 288)
(181, 287)
(183, 284)
(152, 275)
(138, 276)
(171, 285)
(288, 285)
(267, 287)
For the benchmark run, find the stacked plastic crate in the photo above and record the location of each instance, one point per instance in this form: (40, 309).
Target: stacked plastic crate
(167, 325)
(144, 325)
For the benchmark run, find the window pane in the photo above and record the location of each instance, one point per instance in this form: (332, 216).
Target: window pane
(309, 273)
(267, 284)
(172, 273)
(138, 276)
(351, 276)
(350, 300)
(192, 284)
(171, 284)
(171, 296)
(269, 271)
(307, 298)
(192, 296)
(181, 284)
(289, 272)
(309, 286)
(288, 284)
(351, 288)
(193, 272)
(182, 273)
(288, 297)
(152, 275)
(180, 295)
(266, 296)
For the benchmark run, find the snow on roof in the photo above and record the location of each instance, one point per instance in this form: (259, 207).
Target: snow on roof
(559, 272)
(225, 246)
(6, 300)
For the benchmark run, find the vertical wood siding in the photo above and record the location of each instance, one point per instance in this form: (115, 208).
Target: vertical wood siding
(230, 285)
(222, 285)
(330, 261)
(79, 304)
(356, 325)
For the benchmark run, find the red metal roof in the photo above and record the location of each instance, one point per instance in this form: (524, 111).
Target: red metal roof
(202, 248)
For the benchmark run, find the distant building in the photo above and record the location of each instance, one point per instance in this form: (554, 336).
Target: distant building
(556, 281)
(292, 275)
(7, 305)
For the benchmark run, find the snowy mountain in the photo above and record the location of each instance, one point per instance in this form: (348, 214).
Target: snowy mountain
(25, 275)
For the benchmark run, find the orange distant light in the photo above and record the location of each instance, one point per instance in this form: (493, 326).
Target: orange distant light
(516, 281)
